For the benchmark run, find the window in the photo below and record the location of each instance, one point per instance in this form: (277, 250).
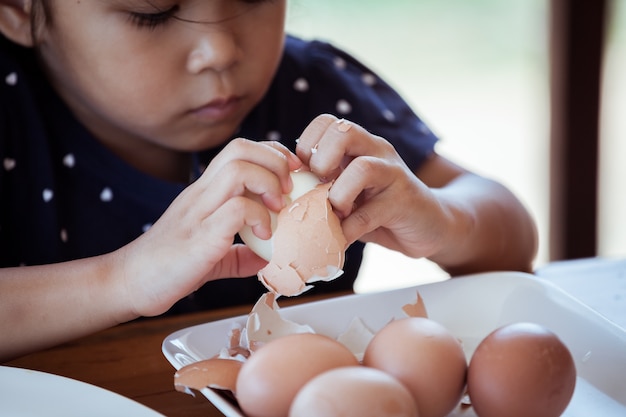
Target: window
(612, 190)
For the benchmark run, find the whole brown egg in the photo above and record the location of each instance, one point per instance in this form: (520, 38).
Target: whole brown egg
(270, 379)
(426, 358)
(353, 391)
(521, 370)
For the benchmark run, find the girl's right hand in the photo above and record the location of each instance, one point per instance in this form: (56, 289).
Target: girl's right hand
(192, 242)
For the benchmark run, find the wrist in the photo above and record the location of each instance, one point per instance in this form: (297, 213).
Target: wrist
(115, 285)
(455, 247)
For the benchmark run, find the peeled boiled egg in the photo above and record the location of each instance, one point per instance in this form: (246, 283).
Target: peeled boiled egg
(424, 356)
(521, 370)
(272, 376)
(307, 243)
(353, 391)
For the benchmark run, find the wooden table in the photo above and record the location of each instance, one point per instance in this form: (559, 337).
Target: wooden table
(127, 359)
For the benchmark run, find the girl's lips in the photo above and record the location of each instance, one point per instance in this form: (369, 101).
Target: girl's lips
(217, 109)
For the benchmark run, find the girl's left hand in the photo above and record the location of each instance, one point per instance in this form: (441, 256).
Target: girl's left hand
(378, 197)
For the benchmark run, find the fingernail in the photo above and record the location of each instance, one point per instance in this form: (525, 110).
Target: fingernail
(343, 125)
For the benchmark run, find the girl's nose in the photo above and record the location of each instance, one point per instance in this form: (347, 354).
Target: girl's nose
(215, 51)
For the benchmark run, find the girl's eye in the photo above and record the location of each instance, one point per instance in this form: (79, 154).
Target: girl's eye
(152, 20)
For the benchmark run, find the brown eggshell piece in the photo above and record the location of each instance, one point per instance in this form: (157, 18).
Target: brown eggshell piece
(309, 244)
(282, 279)
(521, 370)
(418, 309)
(265, 323)
(213, 373)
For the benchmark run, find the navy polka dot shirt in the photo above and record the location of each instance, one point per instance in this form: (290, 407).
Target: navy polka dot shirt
(65, 196)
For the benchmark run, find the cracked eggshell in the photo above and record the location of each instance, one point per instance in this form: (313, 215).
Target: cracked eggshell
(303, 182)
(273, 375)
(265, 324)
(356, 337)
(307, 244)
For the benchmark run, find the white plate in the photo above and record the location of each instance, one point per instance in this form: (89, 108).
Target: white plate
(470, 307)
(26, 393)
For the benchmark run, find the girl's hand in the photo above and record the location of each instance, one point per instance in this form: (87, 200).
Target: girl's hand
(379, 198)
(192, 242)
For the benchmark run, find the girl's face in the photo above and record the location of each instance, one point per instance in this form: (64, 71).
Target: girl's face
(181, 75)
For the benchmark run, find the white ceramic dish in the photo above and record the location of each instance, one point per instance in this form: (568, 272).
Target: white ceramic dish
(470, 307)
(27, 393)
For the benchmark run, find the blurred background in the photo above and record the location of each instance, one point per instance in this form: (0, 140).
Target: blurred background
(478, 73)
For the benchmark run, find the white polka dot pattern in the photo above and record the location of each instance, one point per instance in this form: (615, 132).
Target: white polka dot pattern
(369, 79)
(273, 135)
(9, 164)
(106, 195)
(343, 107)
(69, 160)
(11, 79)
(301, 85)
(340, 63)
(389, 115)
(47, 195)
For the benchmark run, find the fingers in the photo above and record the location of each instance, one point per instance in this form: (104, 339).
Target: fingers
(271, 155)
(375, 194)
(337, 149)
(181, 252)
(235, 213)
(238, 262)
(369, 193)
(292, 159)
(329, 144)
(225, 197)
(245, 166)
(193, 239)
(238, 178)
(250, 172)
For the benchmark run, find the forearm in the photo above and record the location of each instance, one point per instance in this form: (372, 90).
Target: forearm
(489, 228)
(45, 305)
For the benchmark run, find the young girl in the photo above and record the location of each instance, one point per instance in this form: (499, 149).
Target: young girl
(130, 131)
